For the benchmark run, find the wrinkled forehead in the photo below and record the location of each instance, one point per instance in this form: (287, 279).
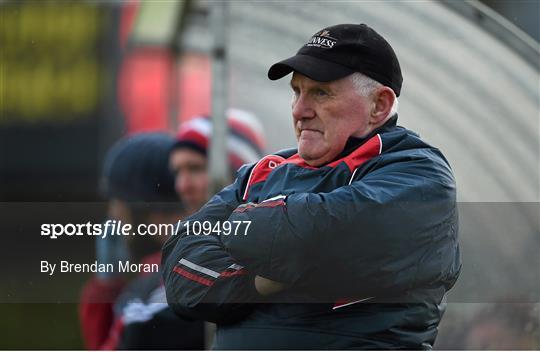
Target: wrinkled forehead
(299, 80)
(297, 77)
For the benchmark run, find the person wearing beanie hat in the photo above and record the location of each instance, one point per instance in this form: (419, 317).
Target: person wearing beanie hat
(139, 187)
(135, 170)
(350, 240)
(189, 153)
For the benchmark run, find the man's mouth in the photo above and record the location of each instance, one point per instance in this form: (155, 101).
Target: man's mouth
(309, 130)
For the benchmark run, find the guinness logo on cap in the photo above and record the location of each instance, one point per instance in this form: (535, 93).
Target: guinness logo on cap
(325, 33)
(322, 40)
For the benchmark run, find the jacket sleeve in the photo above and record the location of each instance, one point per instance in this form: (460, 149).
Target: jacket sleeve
(202, 280)
(392, 229)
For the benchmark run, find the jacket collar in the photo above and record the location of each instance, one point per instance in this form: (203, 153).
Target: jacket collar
(354, 142)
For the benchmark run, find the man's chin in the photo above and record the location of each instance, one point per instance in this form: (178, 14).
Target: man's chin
(308, 151)
(311, 159)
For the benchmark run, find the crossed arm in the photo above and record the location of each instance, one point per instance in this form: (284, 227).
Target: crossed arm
(382, 233)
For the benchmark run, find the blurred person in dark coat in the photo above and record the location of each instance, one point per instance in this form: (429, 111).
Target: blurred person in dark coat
(116, 313)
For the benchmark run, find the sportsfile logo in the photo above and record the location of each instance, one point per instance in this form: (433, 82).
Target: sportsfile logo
(322, 40)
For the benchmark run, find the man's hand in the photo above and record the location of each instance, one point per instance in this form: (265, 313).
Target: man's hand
(268, 287)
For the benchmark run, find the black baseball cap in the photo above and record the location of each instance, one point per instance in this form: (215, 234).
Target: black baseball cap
(338, 51)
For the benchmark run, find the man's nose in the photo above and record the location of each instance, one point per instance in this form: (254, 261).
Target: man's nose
(302, 108)
(182, 184)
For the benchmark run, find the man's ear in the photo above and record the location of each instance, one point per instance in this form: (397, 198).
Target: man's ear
(383, 99)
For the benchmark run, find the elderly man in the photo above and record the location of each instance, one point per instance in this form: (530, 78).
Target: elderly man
(348, 241)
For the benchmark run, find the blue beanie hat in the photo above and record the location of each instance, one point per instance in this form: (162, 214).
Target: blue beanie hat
(136, 169)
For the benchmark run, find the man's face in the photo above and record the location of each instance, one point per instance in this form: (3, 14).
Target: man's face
(191, 177)
(325, 115)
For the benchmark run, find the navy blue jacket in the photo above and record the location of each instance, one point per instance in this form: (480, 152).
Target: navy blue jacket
(367, 245)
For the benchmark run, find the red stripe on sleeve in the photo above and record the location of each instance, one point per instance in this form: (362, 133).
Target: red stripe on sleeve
(193, 277)
(233, 273)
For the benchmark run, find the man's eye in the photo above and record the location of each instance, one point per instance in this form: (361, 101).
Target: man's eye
(321, 93)
(198, 169)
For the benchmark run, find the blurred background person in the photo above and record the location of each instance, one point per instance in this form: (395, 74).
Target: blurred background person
(114, 314)
(189, 155)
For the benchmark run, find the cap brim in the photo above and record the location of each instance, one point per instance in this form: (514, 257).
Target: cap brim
(309, 66)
